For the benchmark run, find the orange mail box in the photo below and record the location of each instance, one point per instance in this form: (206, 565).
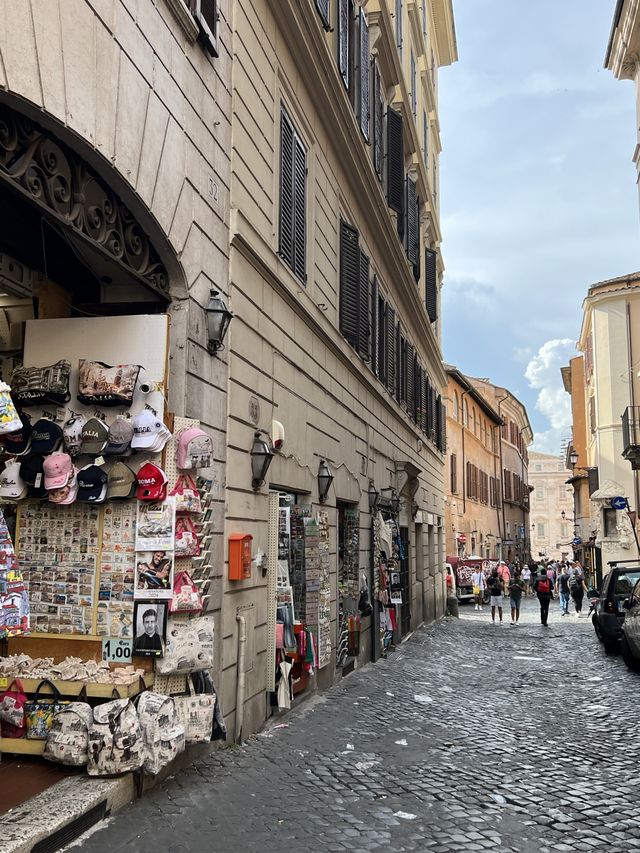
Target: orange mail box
(240, 556)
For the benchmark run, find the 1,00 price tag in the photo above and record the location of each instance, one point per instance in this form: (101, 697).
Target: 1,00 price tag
(116, 650)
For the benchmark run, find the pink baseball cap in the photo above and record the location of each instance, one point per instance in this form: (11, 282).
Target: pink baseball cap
(57, 468)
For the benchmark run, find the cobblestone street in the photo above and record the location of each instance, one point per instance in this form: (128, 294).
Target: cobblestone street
(469, 737)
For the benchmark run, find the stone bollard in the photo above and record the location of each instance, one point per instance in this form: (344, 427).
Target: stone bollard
(452, 606)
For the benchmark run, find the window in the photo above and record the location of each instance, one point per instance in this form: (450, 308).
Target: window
(354, 291)
(412, 230)
(345, 38)
(399, 26)
(560, 466)
(363, 74)
(378, 123)
(465, 413)
(507, 485)
(564, 531)
(456, 406)
(493, 491)
(323, 10)
(431, 284)
(424, 18)
(395, 165)
(540, 530)
(540, 493)
(610, 523)
(425, 139)
(592, 414)
(537, 467)
(414, 87)
(206, 14)
(293, 201)
(454, 473)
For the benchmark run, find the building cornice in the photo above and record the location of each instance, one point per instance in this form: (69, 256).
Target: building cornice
(623, 49)
(473, 392)
(445, 31)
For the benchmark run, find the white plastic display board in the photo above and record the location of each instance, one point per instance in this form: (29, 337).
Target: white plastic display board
(140, 339)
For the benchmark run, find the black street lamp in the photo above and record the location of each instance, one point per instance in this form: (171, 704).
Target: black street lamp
(218, 319)
(261, 456)
(325, 478)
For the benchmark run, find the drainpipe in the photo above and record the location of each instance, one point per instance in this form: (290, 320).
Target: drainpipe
(632, 401)
(504, 522)
(242, 642)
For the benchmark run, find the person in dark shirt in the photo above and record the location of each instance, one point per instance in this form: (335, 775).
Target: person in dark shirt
(516, 587)
(543, 587)
(150, 641)
(496, 587)
(562, 588)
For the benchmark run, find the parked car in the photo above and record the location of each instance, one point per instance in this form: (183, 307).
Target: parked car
(630, 642)
(609, 614)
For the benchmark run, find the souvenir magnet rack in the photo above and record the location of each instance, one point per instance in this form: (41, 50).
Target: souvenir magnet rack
(272, 579)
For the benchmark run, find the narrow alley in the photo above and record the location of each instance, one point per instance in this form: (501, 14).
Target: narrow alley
(469, 737)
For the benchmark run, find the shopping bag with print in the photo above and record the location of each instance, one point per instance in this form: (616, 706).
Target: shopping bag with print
(186, 597)
(187, 543)
(12, 712)
(187, 495)
(195, 713)
(163, 734)
(41, 710)
(189, 645)
(115, 739)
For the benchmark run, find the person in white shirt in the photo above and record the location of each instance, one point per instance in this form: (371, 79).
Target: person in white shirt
(526, 577)
(479, 585)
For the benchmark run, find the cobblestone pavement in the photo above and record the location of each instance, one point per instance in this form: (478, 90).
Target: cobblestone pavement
(470, 737)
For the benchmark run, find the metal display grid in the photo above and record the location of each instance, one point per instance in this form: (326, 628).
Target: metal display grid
(272, 579)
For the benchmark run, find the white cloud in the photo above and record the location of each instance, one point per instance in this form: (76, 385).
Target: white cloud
(552, 401)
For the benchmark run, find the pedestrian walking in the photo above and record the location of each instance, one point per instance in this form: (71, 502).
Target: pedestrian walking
(577, 588)
(562, 588)
(496, 587)
(479, 586)
(543, 590)
(516, 588)
(505, 574)
(526, 579)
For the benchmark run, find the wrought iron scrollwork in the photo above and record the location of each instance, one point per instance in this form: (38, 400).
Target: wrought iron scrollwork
(58, 180)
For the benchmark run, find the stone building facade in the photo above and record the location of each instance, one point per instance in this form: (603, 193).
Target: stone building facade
(552, 521)
(335, 273)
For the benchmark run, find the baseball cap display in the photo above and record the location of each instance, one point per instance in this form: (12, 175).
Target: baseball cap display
(19, 441)
(72, 432)
(31, 471)
(120, 435)
(152, 483)
(122, 482)
(68, 493)
(92, 484)
(95, 436)
(11, 483)
(194, 449)
(149, 433)
(46, 436)
(58, 469)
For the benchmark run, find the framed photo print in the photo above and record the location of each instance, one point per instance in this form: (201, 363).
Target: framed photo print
(153, 574)
(150, 621)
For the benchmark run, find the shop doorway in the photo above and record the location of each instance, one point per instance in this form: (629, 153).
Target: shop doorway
(348, 519)
(405, 582)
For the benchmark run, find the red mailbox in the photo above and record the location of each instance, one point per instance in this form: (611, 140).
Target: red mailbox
(240, 556)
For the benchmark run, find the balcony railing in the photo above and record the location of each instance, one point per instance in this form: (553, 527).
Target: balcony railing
(631, 436)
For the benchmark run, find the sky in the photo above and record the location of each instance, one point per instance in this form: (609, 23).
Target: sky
(538, 193)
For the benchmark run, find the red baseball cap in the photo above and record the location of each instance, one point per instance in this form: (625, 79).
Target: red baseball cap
(152, 483)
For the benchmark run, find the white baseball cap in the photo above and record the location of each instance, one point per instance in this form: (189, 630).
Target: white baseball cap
(11, 483)
(147, 431)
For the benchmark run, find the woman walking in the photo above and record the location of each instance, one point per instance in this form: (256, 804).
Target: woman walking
(577, 588)
(496, 587)
(516, 588)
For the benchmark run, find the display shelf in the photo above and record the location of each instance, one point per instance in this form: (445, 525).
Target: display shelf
(22, 745)
(93, 690)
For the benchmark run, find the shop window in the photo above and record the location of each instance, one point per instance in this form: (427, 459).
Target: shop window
(293, 199)
(348, 575)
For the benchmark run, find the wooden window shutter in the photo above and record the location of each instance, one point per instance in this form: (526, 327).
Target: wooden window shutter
(469, 483)
(287, 145)
(439, 409)
(419, 373)
(300, 210)
(443, 427)
(364, 75)
(423, 413)
(349, 283)
(412, 235)
(395, 163)
(391, 349)
(410, 383)
(374, 325)
(431, 283)
(378, 122)
(364, 321)
(429, 408)
(323, 10)
(454, 473)
(343, 41)
(382, 340)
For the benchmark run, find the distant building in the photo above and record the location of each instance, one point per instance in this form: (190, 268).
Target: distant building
(551, 507)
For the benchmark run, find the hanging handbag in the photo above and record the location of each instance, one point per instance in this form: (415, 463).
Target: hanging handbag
(187, 543)
(187, 495)
(12, 711)
(163, 735)
(32, 386)
(101, 384)
(195, 714)
(189, 646)
(115, 739)
(39, 713)
(186, 597)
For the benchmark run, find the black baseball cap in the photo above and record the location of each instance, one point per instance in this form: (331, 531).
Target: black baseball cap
(32, 472)
(18, 442)
(46, 436)
(92, 484)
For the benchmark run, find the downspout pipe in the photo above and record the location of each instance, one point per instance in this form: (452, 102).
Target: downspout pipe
(504, 522)
(240, 680)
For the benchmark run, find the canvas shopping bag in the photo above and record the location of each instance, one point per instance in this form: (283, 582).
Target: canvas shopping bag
(39, 713)
(12, 712)
(195, 713)
(186, 597)
(189, 646)
(187, 495)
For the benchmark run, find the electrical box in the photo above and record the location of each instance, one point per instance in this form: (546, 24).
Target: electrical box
(240, 556)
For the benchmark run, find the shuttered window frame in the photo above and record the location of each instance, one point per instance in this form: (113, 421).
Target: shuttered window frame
(343, 23)
(395, 165)
(378, 122)
(293, 198)
(324, 10)
(354, 297)
(431, 283)
(363, 75)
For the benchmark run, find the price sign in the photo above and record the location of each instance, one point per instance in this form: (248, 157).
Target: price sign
(116, 650)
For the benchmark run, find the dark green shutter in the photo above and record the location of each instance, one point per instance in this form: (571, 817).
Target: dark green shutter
(364, 323)
(391, 349)
(412, 235)
(323, 10)
(431, 283)
(343, 41)
(378, 122)
(410, 382)
(382, 340)
(287, 144)
(349, 283)
(423, 412)
(364, 75)
(300, 210)
(374, 325)
(395, 163)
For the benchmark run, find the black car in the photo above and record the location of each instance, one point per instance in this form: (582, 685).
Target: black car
(630, 642)
(608, 616)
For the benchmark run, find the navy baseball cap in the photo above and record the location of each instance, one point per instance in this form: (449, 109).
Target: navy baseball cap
(18, 442)
(92, 484)
(32, 472)
(46, 436)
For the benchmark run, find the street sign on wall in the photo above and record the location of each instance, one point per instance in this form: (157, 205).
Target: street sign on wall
(619, 503)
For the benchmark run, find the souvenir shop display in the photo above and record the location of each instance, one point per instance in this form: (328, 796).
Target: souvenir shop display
(109, 508)
(385, 544)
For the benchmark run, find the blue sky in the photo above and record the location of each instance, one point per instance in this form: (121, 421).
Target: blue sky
(538, 192)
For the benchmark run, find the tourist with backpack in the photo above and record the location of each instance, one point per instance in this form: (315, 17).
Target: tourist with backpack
(562, 588)
(496, 587)
(577, 588)
(542, 588)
